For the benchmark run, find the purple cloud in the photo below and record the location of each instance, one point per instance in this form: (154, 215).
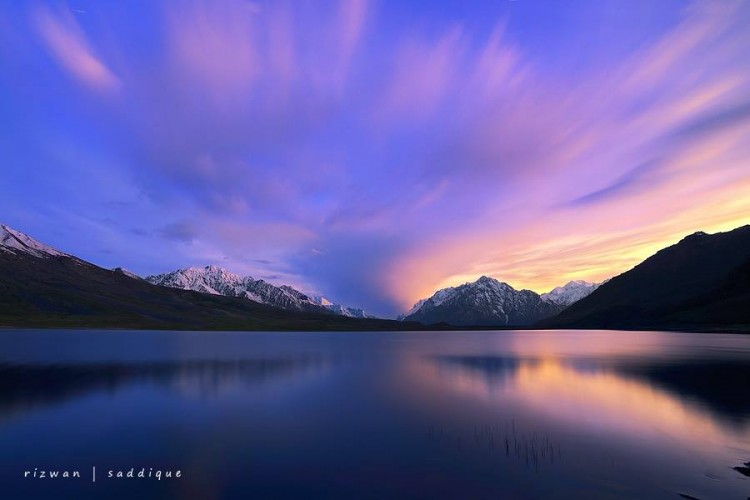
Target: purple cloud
(374, 151)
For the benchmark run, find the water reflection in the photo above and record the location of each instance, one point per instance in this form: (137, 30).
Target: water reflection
(380, 415)
(720, 385)
(701, 404)
(28, 386)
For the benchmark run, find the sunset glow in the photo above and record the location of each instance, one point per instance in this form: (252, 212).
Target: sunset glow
(374, 152)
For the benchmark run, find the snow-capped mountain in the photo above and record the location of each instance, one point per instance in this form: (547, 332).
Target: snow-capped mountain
(487, 302)
(13, 241)
(209, 279)
(352, 312)
(218, 281)
(570, 293)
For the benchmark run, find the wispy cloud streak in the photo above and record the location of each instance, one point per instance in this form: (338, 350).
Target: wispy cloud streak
(377, 151)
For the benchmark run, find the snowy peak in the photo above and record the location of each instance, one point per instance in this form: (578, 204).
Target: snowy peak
(15, 241)
(486, 301)
(570, 293)
(484, 284)
(492, 284)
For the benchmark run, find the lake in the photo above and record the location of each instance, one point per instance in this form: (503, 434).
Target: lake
(554, 414)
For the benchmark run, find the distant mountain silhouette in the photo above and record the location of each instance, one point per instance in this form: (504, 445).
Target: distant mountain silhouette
(702, 282)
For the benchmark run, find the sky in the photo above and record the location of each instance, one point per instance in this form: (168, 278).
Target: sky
(374, 151)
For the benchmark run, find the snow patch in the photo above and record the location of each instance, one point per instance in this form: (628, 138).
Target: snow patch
(570, 293)
(15, 241)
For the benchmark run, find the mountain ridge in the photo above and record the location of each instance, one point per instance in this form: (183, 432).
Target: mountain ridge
(701, 281)
(216, 280)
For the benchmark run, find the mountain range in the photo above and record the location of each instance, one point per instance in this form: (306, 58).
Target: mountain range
(489, 302)
(41, 286)
(700, 283)
(218, 281)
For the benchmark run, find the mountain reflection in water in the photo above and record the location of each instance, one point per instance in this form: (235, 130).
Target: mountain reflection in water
(709, 405)
(26, 387)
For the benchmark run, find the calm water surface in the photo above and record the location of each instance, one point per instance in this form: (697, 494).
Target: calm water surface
(592, 414)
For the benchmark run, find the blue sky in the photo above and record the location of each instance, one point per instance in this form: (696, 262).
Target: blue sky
(374, 151)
